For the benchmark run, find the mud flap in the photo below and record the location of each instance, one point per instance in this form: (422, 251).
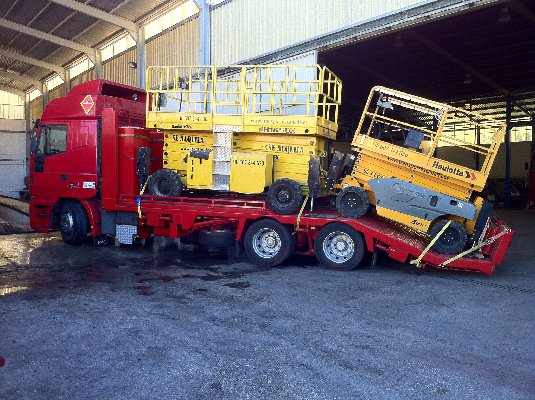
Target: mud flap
(314, 172)
(335, 167)
(482, 218)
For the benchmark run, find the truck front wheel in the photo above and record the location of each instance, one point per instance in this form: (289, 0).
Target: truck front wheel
(268, 243)
(339, 247)
(74, 224)
(165, 182)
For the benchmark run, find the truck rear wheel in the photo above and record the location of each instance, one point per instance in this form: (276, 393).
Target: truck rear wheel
(339, 247)
(74, 224)
(165, 182)
(285, 196)
(452, 241)
(352, 202)
(268, 243)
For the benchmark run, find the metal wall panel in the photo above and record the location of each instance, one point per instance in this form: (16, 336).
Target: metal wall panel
(243, 29)
(36, 108)
(12, 157)
(178, 46)
(9, 98)
(58, 91)
(86, 76)
(116, 69)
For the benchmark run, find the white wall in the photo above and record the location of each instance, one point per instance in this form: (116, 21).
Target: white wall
(12, 156)
(243, 29)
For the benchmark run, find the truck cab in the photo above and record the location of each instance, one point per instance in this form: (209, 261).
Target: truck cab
(65, 160)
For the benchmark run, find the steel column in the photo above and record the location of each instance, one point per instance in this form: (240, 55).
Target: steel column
(141, 58)
(27, 117)
(508, 113)
(204, 13)
(45, 95)
(98, 64)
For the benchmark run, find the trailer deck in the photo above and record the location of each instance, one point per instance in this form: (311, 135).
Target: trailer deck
(178, 216)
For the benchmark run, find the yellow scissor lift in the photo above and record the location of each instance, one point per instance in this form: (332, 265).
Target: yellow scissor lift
(399, 169)
(244, 129)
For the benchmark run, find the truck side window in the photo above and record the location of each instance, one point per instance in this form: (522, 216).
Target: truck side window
(55, 139)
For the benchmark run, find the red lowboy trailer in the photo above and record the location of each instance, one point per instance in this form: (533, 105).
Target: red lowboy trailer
(91, 157)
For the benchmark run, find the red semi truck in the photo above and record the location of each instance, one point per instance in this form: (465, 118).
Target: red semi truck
(91, 157)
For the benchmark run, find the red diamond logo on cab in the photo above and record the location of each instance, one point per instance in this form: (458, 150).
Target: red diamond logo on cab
(87, 104)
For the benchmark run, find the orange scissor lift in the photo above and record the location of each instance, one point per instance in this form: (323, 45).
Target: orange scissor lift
(399, 169)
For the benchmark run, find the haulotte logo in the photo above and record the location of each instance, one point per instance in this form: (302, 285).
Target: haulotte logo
(454, 170)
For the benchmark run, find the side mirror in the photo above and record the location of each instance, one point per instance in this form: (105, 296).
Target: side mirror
(39, 162)
(33, 144)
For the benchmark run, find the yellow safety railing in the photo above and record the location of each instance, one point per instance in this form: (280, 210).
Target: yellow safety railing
(183, 89)
(389, 114)
(275, 90)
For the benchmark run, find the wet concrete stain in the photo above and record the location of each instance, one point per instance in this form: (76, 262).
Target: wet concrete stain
(166, 278)
(38, 265)
(144, 290)
(238, 285)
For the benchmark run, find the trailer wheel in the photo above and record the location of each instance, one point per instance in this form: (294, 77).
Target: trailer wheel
(352, 202)
(285, 196)
(268, 243)
(74, 224)
(452, 241)
(339, 247)
(165, 182)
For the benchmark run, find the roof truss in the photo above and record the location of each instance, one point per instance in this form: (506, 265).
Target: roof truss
(21, 78)
(127, 24)
(48, 37)
(33, 61)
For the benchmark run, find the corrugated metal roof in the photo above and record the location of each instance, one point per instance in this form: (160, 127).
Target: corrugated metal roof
(50, 17)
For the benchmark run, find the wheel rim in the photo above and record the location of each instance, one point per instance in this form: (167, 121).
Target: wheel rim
(284, 196)
(67, 222)
(267, 243)
(163, 187)
(352, 201)
(338, 247)
(449, 237)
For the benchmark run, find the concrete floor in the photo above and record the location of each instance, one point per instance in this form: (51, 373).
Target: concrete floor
(172, 322)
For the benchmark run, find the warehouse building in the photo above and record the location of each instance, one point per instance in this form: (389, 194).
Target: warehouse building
(118, 291)
(474, 54)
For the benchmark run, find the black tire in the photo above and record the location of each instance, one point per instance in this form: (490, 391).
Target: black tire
(452, 241)
(268, 243)
(217, 238)
(285, 196)
(165, 182)
(352, 202)
(74, 224)
(339, 247)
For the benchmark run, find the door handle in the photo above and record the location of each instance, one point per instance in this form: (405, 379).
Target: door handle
(63, 177)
